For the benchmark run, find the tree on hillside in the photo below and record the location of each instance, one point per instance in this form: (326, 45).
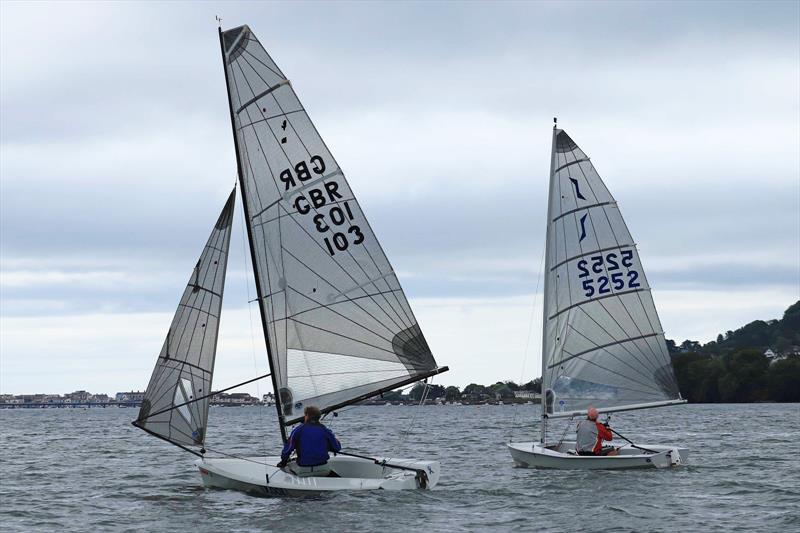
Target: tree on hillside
(393, 395)
(452, 394)
(502, 390)
(474, 388)
(534, 385)
(434, 391)
(783, 379)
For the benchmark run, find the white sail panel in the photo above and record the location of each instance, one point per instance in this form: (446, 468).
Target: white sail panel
(331, 297)
(604, 345)
(185, 365)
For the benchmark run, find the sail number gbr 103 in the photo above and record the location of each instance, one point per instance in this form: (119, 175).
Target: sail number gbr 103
(610, 267)
(331, 216)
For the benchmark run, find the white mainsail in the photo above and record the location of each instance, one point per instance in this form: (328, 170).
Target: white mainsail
(337, 322)
(175, 405)
(603, 344)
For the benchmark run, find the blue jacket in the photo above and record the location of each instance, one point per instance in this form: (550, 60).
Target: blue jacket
(312, 442)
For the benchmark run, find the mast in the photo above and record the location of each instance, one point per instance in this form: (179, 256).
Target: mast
(546, 269)
(259, 292)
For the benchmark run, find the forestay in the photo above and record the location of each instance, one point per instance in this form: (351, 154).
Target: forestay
(603, 341)
(173, 407)
(338, 324)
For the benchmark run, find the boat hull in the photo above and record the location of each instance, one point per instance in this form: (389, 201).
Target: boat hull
(259, 475)
(533, 455)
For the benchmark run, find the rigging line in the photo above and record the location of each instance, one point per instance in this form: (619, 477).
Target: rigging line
(528, 340)
(411, 320)
(274, 336)
(241, 175)
(250, 315)
(616, 240)
(423, 398)
(566, 427)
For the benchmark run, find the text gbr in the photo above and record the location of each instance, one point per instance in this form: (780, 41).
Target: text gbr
(330, 213)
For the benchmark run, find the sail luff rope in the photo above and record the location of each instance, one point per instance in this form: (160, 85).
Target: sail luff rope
(528, 341)
(416, 411)
(247, 273)
(240, 175)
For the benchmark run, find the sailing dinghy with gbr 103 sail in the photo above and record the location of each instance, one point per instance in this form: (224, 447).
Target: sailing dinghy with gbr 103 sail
(337, 325)
(602, 341)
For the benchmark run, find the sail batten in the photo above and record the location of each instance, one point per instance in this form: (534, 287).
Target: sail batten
(339, 325)
(603, 343)
(175, 405)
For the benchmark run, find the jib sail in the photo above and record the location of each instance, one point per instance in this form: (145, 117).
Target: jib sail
(173, 407)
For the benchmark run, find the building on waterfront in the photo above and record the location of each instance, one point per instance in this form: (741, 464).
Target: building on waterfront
(236, 398)
(130, 396)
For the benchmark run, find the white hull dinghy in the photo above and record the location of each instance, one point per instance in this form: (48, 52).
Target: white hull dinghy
(602, 341)
(259, 475)
(338, 328)
(564, 457)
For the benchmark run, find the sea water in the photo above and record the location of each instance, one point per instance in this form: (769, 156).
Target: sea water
(90, 470)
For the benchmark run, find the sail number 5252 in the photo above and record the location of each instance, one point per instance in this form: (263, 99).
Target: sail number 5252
(612, 276)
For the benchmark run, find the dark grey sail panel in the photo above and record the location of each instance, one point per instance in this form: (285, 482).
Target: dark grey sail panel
(604, 344)
(339, 324)
(185, 365)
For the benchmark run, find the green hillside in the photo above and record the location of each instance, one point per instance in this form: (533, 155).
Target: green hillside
(734, 368)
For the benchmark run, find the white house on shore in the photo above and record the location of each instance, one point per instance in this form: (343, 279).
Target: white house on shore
(772, 356)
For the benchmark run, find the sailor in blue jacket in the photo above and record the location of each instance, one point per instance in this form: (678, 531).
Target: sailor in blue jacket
(311, 441)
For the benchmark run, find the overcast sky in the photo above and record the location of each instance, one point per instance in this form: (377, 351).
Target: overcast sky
(117, 157)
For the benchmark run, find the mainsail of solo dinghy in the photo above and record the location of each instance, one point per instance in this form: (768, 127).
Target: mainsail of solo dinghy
(602, 342)
(337, 325)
